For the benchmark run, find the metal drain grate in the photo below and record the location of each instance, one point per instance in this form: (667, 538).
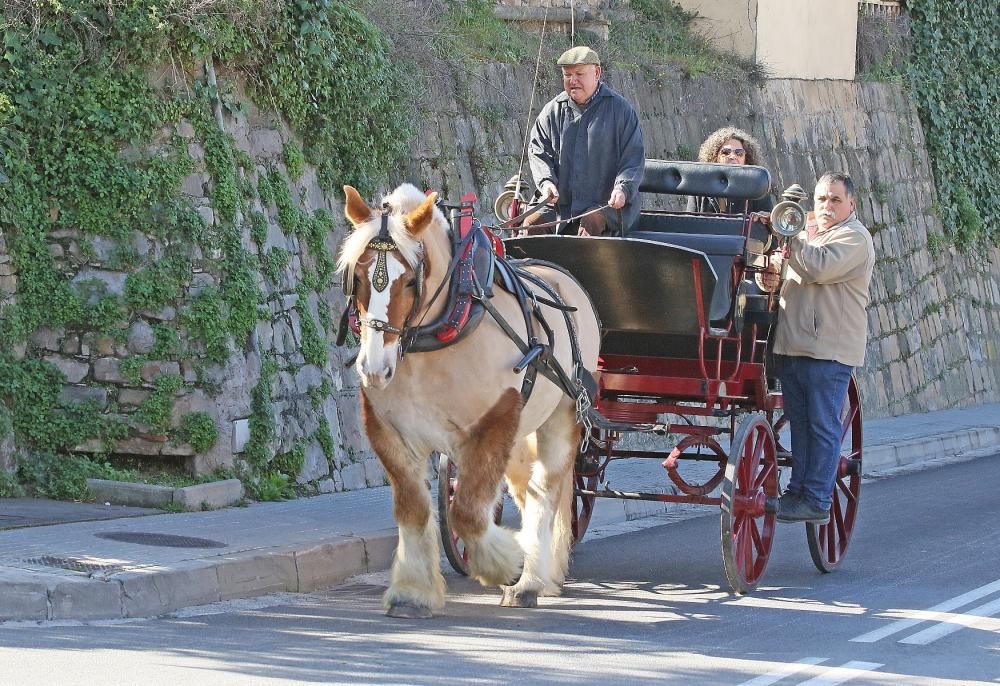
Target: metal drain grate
(161, 540)
(73, 564)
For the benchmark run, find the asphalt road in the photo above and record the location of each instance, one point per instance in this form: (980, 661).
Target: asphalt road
(917, 601)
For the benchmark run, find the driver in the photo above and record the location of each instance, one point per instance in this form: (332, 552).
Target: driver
(586, 150)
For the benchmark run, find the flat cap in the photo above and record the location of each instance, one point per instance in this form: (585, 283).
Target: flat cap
(581, 54)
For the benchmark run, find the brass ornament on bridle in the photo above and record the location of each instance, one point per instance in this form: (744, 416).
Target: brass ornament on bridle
(380, 278)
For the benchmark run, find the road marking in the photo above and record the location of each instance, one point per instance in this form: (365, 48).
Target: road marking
(928, 615)
(781, 672)
(846, 672)
(954, 623)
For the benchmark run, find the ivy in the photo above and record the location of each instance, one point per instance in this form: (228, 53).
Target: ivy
(30, 388)
(314, 346)
(955, 83)
(257, 451)
(155, 411)
(198, 430)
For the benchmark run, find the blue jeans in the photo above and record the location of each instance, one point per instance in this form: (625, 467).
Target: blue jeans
(814, 393)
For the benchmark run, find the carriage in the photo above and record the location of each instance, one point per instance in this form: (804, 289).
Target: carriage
(685, 352)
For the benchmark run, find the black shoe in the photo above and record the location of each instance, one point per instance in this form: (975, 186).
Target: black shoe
(801, 510)
(787, 499)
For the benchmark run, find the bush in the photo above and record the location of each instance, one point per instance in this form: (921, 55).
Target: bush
(64, 477)
(198, 430)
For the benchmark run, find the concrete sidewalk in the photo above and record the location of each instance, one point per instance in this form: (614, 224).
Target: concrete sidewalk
(145, 566)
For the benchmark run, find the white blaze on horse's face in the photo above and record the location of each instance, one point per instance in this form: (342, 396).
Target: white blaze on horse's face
(380, 349)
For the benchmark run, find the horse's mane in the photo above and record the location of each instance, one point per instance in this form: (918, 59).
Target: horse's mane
(401, 201)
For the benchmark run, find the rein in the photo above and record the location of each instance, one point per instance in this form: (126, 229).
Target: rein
(503, 226)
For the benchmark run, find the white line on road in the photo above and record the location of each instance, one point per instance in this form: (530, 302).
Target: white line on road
(954, 623)
(846, 672)
(776, 675)
(945, 607)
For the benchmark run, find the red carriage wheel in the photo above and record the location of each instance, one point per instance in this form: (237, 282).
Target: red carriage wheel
(747, 527)
(454, 548)
(828, 542)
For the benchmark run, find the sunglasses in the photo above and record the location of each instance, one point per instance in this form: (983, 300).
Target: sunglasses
(726, 152)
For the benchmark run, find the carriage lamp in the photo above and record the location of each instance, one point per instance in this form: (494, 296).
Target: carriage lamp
(788, 217)
(513, 190)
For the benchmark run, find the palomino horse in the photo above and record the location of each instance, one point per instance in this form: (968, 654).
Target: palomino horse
(462, 400)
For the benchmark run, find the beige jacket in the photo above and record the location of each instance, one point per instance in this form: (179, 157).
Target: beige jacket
(825, 294)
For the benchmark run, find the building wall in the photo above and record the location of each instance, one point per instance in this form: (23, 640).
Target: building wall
(794, 39)
(731, 25)
(808, 39)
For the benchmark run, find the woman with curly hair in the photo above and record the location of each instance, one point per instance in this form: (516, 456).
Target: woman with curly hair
(729, 145)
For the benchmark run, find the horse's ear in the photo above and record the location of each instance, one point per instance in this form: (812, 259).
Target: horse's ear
(420, 218)
(355, 209)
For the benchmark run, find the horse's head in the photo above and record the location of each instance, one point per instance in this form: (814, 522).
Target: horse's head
(384, 266)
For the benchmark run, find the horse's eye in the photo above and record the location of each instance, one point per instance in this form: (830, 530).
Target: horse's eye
(412, 284)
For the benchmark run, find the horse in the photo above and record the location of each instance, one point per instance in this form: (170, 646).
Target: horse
(462, 400)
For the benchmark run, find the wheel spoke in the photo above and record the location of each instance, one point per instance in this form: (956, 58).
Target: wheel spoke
(763, 476)
(758, 543)
(743, 551)
(846, 490)
(849, 419)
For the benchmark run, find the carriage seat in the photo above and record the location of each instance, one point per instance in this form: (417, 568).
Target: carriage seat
(720, 250)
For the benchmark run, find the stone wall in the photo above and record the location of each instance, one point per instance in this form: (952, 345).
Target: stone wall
(302, 394)
(935, 314)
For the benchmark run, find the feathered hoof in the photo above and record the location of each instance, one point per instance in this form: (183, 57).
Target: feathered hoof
(512, 598)
(406, 610)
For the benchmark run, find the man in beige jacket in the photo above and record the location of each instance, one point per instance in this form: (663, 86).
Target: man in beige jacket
(821, 336)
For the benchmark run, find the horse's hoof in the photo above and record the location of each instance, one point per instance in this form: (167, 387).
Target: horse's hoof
(523, 599)
(404, 610)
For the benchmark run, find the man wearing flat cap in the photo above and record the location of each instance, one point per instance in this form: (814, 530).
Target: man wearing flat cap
(586, 150)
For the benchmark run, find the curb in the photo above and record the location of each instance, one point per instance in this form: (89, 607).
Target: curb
(30, 595)
(907, 453)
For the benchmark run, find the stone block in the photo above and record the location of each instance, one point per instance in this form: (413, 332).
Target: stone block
(123, 493)
(315, 464)
(82, 394)
(46, 338)
(132, 397)
(150, 592)
(241, 434)
(140, 446)
(210, 496)
(25, 596)
(75, 371)
(151, 370)
(327, 564)
(353, 476)
(85, 598)
(114, 282)
(252, 574)
(380, 548)
(140, 337)
(106, 369)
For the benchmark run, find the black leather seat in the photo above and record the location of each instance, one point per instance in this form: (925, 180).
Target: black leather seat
(721, 251)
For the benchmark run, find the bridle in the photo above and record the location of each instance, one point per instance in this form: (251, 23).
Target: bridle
(383, 245)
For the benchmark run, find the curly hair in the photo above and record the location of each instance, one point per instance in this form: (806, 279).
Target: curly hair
(709, 151)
